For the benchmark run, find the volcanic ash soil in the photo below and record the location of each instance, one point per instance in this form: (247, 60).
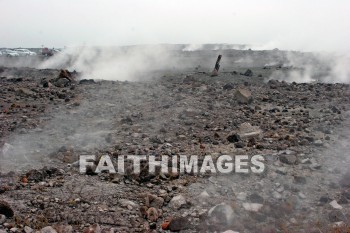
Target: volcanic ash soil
(48, 120)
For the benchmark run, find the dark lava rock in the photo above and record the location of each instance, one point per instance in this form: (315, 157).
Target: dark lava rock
(233, 138)
(300, 179)
(325, 200)
(6, 209)
(40, 175)
(87, 81)
(228, 86)
(256, 198)
(46, 84)
(248, 73)
(178, 224)
(240, 144)
(288, 159)
(335, 109)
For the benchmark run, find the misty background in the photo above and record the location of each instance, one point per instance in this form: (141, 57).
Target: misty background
(321, 25)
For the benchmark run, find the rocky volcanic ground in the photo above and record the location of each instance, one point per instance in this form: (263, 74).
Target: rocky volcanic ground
(49, 118)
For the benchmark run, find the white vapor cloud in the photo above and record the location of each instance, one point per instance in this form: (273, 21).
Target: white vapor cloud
(322, 25)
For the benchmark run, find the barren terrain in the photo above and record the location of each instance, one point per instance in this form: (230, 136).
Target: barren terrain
(48, 120)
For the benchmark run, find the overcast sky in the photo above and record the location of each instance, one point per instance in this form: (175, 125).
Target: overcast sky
(287, 24)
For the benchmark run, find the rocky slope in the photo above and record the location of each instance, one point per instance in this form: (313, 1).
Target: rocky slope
(301, 130)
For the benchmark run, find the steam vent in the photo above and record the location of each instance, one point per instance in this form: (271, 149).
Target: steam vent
(174, 116)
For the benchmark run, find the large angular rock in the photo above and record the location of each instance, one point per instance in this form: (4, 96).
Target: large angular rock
(243, 96)
(177, 202)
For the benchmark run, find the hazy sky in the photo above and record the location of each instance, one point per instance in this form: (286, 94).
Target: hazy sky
(289, 24)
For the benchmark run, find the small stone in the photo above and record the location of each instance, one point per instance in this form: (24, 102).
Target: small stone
(288, 159)
(301, 195)
(318, 143)
(325, 199)
(242, 196)
(336, 216)
(28, 229)
(93, 229)
(335, 205)
(233, 138)
(2, 219)
(127, 204)
(228, 86)
(253, 207)
(48, 229)
(300, 179)
(248, 73)
(276, 195)
(204, 194)
(281, 170)
(177, 202)
(152, 214)
(247, 131)
(64, 228)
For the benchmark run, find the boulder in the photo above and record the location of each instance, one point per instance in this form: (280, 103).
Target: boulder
(243, 96)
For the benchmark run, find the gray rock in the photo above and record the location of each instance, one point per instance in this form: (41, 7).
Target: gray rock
(256, 198)
(247, 131)
(2, 219)
(128, 204)
(281, 170)
(276, 195)
(177, 202)
(252, 207)
(336, 216)
(24, 92)
(288, 159)
(335, 205)
(28, 229)
(48, 229)
(221, 213)
(243, 96)
(242, 196)
(318, 143)
(248, 73)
